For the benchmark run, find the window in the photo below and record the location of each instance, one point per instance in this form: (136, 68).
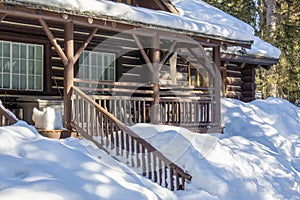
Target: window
(21, 66)
(97, 66)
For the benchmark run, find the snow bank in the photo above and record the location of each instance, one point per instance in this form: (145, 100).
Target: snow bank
(257, 157)
(34, 167)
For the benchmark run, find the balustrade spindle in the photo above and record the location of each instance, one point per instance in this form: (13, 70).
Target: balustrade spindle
(144, 168)
(94, 121)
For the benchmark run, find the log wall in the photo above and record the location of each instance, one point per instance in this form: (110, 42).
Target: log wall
(239, 81)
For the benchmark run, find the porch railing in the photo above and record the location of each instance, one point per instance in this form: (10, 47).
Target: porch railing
(98, 125)
(187, 106)
(6, 117)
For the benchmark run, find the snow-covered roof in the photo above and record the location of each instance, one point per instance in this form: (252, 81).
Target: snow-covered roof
(142, 16)
(199, 10)
(259, 48)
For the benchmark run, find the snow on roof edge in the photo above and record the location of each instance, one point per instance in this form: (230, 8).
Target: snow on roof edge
(198, 9)
(48, 5)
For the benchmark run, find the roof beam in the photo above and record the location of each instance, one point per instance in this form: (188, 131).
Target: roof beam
(53, 41)
(146, 58)
(169, 51)
(2, 17)
(85, 44)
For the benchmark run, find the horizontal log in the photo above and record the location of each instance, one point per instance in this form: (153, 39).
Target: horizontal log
(235, 74)
(232, 67)
(248, 99)
(249, 86)
(132, 61)
(234, 88)
(234, 95)
(249, 66)
(248, 78)
(249, 94)
(248, 72)
(234, 81)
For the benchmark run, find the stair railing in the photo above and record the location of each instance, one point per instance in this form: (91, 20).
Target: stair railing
(6, 117)
(98, 125)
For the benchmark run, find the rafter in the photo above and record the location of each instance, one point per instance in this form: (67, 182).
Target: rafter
(146, 58)
(169, 52)
(2, 17)
(85, 44)
(53, 41)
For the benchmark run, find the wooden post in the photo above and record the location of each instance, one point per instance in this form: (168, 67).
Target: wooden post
(68, 72)
(217, 83)
(155, 49)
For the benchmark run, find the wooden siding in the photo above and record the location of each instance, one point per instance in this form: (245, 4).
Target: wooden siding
(239, 80)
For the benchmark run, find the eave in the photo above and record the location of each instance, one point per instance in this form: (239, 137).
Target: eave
(112, 23)
(259, 61)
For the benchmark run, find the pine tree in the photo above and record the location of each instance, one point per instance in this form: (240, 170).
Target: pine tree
(280, 25)
(244, 10)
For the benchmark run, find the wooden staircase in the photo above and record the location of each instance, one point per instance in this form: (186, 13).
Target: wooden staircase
(95, 123)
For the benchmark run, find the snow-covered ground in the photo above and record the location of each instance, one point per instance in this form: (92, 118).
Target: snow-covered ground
(258, 157)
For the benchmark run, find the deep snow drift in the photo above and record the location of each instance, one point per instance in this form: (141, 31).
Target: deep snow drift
(258, 157)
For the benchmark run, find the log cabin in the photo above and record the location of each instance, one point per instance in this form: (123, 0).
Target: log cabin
(138, 64)
(111, 64)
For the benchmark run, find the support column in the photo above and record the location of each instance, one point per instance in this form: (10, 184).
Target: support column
(217, 83)
(68, 72)
(155, 50)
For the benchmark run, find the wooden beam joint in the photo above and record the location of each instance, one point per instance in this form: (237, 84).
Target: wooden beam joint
(85, 44)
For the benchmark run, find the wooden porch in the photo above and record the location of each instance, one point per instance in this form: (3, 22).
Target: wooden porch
(193, 101)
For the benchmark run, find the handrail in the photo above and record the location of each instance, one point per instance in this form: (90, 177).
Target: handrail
(93, 121)
(6, 118)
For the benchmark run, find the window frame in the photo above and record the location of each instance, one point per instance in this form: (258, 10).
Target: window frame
(13, 72)
(107, 69)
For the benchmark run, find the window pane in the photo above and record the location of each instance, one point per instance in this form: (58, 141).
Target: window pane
(31, 82)
(6, 80)
(6, 65)
(38, 82)
(112, 74)
(23, 51)
(30, 67)
(22, 82)
(80, 72)
(38, 67)
(86, 72)
(94, 59)
(1, 81)
(15, 82)
(30, 52)
(0, 49)
(15, 66)
(23, 66)
(105, 60)
(1, 65)
(6, 50)
(94, 73)
(86, 58)
(15, 51)
(39, 52)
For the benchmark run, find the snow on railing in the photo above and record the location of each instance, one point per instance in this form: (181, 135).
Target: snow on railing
(6, 116)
